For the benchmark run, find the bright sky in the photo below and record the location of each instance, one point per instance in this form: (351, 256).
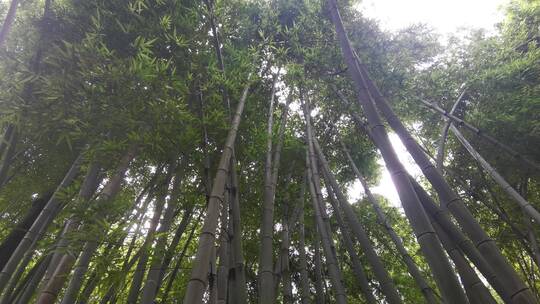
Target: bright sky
(445, 16)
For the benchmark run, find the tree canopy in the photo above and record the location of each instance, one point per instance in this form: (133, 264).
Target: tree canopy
(178, 151)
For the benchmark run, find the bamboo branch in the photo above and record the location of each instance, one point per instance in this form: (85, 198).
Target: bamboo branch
(461, 123)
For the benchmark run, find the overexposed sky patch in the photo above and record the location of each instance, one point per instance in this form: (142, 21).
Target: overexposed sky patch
(386, 186)
(443, 15)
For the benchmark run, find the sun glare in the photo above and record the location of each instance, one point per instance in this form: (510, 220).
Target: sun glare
(444, 16)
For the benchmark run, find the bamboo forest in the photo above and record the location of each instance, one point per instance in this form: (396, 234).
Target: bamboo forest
(232, 152)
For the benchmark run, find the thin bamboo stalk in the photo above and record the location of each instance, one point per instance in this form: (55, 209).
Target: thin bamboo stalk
(524, 204)
(39, 225)
(59, 267)
(451, 200)
(385, 281)
(439, 160)
(238, 269)
(179, 260)
(110, 190)
(349, 245)
(224, 251)
(326, 240)
(319, 287)
(266, 275)
(154, 272)
(285, 267)
(159, 209)
(476, 291)
(321, 216)
(304, 279)
(443, 219)
(482, 134)
(29, 289)
(28, 278)
(8, 21)
(427, 291)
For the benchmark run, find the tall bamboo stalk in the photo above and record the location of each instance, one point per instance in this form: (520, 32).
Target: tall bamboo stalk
(276, 162)
(349, 245)
(14, 280)
(439, 160)
(28, 278)
(180, 259)
(285, 269)
(29, 288)
(8, 21)
(461, 123)
(171, 251)
(239, 292)
(427, 291)
(224, 249)
(11, 241)
(197, 283)
(429, 243)
(319, 286)
(239, 271)
(108, 193)
(386, 283)
(304, 279)
(524, 204)
(266, 275)
(533, 243)
(321, 217)
(138, 222)
(519, 292)
(151, 285)
(443, 219)
(212, 278)
(159, 209)
(59, 267)
(231, 280)
(476, 291)
(40, 224)
(328, 248)
(80, 269)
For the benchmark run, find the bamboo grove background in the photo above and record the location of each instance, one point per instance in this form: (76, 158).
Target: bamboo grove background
(164, 151)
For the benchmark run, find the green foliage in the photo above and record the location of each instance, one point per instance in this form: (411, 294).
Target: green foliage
(104, 76)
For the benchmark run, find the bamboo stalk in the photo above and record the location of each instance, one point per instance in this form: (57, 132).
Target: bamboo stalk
(461, 123)
(321, 216)
(439, 160)
(349, 245)
(386, 283)
(450, 199)
(524, 204)
(427, 291)
(198, 281)
(266, 275)
(39, 226)
(8, 21)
